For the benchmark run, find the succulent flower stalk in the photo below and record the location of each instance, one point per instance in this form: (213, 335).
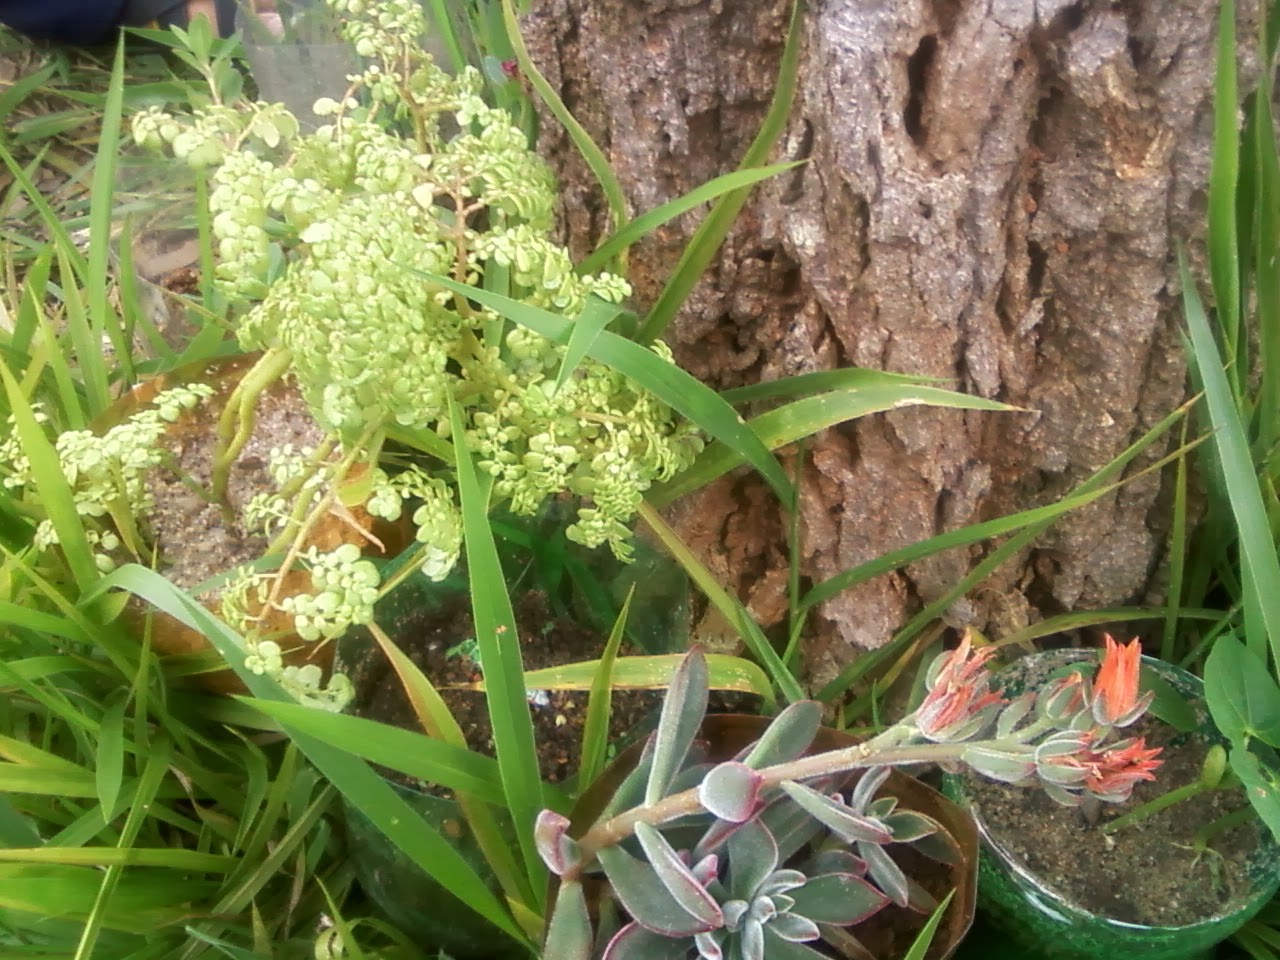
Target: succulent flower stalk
(750, 858)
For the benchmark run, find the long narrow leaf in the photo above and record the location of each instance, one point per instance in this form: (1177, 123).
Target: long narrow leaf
(423, 758)
(595, 731)
(51, 484)
(729, 606)
(363, 788)
(1259, 566)
(501, 663)
(594, 157)
(805, 417)
(603, 255)
(1224, 251)
(711, 232)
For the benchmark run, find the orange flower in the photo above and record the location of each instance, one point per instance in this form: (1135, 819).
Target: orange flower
(1109, 774)
(1116, 771)
(1116, 702)
(957, 704)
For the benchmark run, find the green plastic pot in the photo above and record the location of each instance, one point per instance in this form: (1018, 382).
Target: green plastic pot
(1042, 924)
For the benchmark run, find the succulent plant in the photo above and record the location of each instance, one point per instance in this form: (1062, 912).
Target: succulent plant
(756, 857)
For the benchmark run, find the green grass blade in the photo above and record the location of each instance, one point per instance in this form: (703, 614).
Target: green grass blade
(1103, 477)
(410, 753)
(363, 788)
(1077, 619)
(805, 417)
(685, 394)
(924, 939)
(595, 731)
(822, 381)
(1265, 171)
(102, 318)
(974, 533)
(729, 606)
(596, 315)
(1260, 569)
(110, 765)
(616, 245)
(592, 154)
(724, 672)
(85, 342)
(184, 860)
(54, 491)
(1177, 558)
(501, 663)
(155, 770)
(711, 232)
(434, 715)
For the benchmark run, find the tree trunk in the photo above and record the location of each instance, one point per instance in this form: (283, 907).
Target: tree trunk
(994, 196)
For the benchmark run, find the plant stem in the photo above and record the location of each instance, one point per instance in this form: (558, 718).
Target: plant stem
(882, 751)
(235, 426)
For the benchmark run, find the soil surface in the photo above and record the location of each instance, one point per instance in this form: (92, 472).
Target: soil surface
(1145, 873)
(437, 641)
(196, 541)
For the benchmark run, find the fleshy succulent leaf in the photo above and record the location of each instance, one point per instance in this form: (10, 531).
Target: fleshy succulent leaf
(682, 711)
(887, 874)
(779, 882)
(836, 861)
(674, 874)
(908, 825)
(836, 816)
(751, 940)
(939, 846)
(788, 736)
(868, 784)
(880, 808)
(839, 898)
(998, 764)
(569, 935)
(634, 942)
(779, 949)
(753, 856)
(715, 837)
(793, 927)
(1013, 714)
(631, 791)
(919, 899)
(731, 791)
(789, 823)
(558, 850)
(645, 896)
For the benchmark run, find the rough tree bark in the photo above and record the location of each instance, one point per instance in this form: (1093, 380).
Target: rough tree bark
(994, 196)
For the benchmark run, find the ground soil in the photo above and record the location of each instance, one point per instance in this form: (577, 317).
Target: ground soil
(195, 540)
(1146, 873)
(431, 640)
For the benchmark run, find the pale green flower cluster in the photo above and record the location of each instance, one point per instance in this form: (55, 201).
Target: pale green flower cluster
(346, 588)
(106, 474)
(322, 241)
(437, 519)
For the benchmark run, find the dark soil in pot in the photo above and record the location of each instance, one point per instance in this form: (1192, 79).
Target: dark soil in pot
(437, 639)
(1147, 872)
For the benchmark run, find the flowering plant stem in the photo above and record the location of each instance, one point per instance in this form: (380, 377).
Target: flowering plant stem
(889, 749)
(235, 426)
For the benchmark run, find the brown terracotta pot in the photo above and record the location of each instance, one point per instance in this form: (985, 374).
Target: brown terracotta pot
(192, 537)
(888, 934)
